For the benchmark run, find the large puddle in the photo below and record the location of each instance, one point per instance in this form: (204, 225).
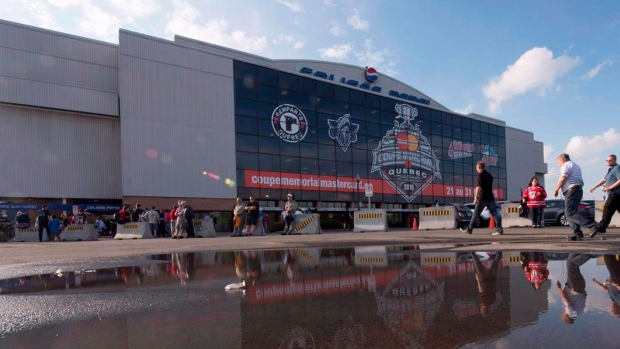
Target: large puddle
(364, 297)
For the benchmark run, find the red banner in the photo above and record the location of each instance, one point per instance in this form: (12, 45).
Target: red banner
(298, 181)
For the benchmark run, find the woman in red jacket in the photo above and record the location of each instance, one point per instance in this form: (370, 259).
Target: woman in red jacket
(534, 197)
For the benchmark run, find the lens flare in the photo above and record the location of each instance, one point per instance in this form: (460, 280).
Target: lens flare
(151, 153)
(229, 182)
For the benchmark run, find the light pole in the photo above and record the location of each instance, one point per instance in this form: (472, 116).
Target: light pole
(357, 179)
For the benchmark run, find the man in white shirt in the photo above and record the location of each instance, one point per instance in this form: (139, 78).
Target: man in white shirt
(571, 185)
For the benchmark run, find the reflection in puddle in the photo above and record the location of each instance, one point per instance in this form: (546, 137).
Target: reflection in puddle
(363, 297)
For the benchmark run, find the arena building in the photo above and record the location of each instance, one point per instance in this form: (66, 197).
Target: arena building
(153, 121)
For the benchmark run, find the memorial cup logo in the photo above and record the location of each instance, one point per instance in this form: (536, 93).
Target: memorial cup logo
(404, 157)
(343, 130)
(371, 74)
(289, 123)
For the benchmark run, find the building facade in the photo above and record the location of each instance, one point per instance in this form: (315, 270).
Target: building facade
(152, 121)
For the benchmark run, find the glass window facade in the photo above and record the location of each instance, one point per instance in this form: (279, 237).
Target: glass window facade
(315, 138)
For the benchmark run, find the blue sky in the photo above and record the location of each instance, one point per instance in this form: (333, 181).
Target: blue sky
(550, 67)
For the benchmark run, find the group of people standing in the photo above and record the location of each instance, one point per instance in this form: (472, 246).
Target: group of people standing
(570, 184)
(178, 220)
(252, 213)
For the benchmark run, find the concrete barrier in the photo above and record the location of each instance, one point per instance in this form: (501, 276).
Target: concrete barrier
(511, 258)
(369, 220)
(510, 217)
(81, 232)
(442, 217)
(437, 259)
(258, 231)
(29, 234)
(371, 256)
(134, 230)
(599, 206)
(307, 224)
(204, 228)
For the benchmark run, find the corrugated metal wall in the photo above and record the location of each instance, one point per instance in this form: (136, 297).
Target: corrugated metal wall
(177, 120)
(53, 154)
(524, 159)
(53, 70)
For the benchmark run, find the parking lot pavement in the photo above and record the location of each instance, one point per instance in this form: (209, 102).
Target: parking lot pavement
(515, 239)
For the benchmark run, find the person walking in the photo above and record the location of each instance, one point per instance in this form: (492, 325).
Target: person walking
(483, 197)
(571, 185)
(534, 197)
(612, 284)
(574, 292)
(43, 220)
(611, 186)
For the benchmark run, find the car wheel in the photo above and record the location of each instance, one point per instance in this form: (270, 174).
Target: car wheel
(562, 220)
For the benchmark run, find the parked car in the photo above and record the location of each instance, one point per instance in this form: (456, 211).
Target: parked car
(462, 215)
(555, 215)
(485, 215)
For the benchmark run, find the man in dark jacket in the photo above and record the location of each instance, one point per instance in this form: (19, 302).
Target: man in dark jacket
(189, 216)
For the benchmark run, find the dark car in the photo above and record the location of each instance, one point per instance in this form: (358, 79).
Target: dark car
(462, 215)
(555, 215)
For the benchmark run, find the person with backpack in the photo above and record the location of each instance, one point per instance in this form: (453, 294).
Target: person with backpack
(43, 220)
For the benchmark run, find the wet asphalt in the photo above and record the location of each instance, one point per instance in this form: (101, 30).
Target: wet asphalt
(35, 254)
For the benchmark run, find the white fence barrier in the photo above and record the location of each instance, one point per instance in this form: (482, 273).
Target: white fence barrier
(442, 217)
(29, 234)
(369, 220)
(81, 232)
(510, 217)
(307, 224)
(204, 228)
(134, 230)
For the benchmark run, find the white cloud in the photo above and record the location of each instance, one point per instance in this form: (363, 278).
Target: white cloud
(292, 5)
(588, 153)
(329, 3)
(357, 23)
(283, 39)
(468, 109)
(581, 147)
(592, 73)
(382, 60)
(336, 51)
(134, 8)
(536, 69)
(182, 21)
(337, 30)
(97, 22)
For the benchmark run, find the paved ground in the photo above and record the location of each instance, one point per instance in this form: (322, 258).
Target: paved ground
(514, 239)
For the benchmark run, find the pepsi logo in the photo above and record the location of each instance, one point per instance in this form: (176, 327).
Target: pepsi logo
(371, 74)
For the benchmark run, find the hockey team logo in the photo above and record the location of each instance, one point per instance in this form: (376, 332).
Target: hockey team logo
(343, 130)
(289, 123)
(489, 156)
(404, 157)
(459, 149)
(371, 74)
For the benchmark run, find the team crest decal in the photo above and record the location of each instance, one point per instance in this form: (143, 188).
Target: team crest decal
(459, 150)
(489, 156)
(289, 123)
(343, 130)
(404, 157)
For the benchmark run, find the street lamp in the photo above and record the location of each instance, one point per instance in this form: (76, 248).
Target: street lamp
(357, 179)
